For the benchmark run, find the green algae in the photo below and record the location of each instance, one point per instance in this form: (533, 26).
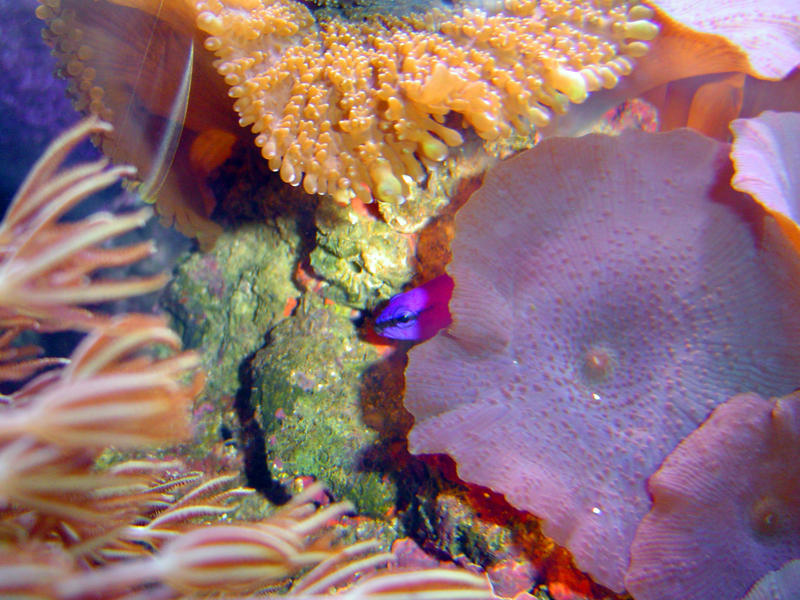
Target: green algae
(329, 407)
(227, 299)
(454, 526)
(363, 260)
(222, 303)
(235, 305)
(307, 383)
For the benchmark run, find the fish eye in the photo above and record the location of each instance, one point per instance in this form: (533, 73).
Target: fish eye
(405, 318)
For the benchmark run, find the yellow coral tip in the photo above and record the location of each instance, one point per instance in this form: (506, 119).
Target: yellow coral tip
(570, 83)
(640, 12)
(387, 187)
(540, 117)
(210, 23)
(390, 190)
(434, 149)
(641, 30)
(43, 12)
(636, 49)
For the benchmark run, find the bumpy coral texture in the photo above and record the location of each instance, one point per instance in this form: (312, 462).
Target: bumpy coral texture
(726, 506)
(365, 108)
(609, 292)
(766, 33)
(766, 152)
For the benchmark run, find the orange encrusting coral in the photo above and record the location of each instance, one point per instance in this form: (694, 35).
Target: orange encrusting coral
(363, 109)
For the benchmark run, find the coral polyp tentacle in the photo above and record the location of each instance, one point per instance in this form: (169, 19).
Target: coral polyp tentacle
(349, 105)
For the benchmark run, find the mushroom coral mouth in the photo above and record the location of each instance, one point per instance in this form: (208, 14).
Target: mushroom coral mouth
(732, 488)
(609, 293)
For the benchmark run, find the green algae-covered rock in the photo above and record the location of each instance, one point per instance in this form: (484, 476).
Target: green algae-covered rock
(307, 383)
(223, 302)
(363, 260)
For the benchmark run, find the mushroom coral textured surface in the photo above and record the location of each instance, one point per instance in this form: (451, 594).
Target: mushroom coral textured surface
(609, 293)
(765, 34)
(783, 584)
(766, 155)
(726, 505)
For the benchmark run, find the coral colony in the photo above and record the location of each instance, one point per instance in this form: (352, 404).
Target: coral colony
(365, 108)
(72, 531)
(605, 334)
(389, 83)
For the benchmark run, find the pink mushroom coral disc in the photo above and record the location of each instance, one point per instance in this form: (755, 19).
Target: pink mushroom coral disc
(609, 293)
(726, 505)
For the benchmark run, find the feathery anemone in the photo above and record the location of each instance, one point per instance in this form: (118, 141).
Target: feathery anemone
(46, 264)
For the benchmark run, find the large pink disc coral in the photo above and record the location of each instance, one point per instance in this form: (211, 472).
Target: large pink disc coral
(726, 506)
(610, 292)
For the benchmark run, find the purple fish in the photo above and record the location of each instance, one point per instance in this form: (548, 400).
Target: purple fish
(417, 314)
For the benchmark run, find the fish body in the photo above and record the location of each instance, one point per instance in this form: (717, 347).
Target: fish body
(419, 313)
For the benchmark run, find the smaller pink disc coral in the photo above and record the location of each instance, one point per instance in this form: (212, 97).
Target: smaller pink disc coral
(783, 584)
(766, 155)
(726, 505)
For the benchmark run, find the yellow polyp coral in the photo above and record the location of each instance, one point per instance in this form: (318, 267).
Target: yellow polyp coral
(374, 99)
(365, 107)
